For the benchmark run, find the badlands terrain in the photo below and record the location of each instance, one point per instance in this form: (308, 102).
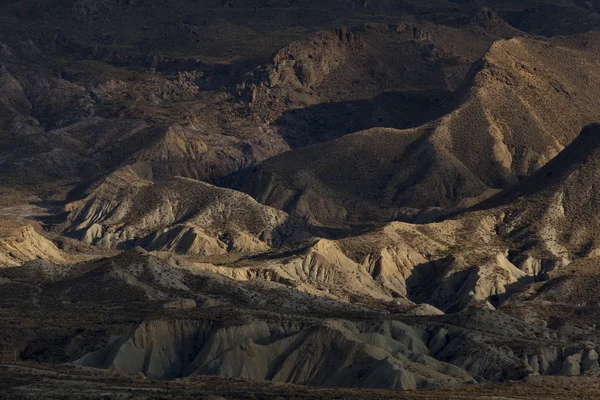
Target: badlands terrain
(242, 199)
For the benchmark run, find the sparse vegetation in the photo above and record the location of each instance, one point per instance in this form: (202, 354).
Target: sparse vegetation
(349, 193)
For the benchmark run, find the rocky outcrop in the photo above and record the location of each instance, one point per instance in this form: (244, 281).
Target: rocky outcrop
(300, 66)
(486, 21)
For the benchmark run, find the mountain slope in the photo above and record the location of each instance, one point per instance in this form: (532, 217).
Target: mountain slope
(528, 100)
(181, 215)
(555, 210)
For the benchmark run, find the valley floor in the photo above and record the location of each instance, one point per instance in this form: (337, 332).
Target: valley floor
(37, 381)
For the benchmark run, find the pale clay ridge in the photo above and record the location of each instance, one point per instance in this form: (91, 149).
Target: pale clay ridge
(325, 355)
(401, 262)
(112, 214)
(21, 242)
(382, 354)
(105, 218)
(180, 215)
(394, 355)
(409, 262)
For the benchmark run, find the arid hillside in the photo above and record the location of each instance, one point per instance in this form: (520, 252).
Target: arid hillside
(525, 102)
(238, 199)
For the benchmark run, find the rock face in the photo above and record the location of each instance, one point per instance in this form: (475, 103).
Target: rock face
(180, 215)
(488, 21)
(299, 68)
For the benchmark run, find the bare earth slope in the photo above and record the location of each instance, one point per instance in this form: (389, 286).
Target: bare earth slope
(529, 100)
(181, 215)
(21, 242)
(554, 211)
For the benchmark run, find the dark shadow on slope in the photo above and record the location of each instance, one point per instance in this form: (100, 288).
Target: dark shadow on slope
(443, 285)
(578, 153)
(514, 288)
(425, 283)
(551, 19)
(54, 213)
(329, 121)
